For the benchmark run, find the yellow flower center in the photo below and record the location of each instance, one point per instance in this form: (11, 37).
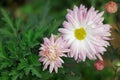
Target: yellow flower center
(80, 33)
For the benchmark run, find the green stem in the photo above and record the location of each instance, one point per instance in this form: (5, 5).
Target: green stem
(115, 75)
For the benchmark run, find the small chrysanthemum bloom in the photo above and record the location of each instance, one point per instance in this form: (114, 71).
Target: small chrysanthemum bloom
(85, 33)
(111, 7)
(51, 52)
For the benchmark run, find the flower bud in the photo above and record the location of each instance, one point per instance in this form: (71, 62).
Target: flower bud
(111, 7)
(99, 65)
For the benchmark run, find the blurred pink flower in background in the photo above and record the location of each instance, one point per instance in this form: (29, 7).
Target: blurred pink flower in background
(111, 7)
(99, 65)
(51, 52)
(85, 33)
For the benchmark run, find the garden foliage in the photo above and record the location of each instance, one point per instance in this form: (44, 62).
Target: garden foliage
(21, 36)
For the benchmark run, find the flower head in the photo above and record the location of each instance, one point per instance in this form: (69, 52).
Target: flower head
(111, 7)
(99, 65)
(85, 33)
(51, 52)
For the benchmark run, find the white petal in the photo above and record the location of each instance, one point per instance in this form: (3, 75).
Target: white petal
(99, 56)
(51, 67)
(56, 69)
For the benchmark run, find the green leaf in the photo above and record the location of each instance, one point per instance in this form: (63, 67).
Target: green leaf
(5, 33)
(44, 13)
(39, 32)
(8, 20)
(53, 26)
(34, 60)
(28, 36)
(36, 72)
(5, 64)
(4, 75)
(21, 74)
(2, 54)
(23, 63)
(46, 75)
(14, 74)
(18, 23)
(27, 70)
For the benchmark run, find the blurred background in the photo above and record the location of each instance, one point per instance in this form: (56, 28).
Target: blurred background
(23, 24)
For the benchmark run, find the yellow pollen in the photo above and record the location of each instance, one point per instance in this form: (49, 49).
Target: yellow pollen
(80, 33)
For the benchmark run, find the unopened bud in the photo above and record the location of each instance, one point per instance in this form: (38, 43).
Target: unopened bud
(111, 7)
(99, 65)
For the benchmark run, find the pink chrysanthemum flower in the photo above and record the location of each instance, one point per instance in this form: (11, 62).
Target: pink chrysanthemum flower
(51, 52)
(85, 33)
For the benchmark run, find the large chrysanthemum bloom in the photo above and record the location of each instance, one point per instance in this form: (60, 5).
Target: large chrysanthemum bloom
(51, 52)
(85, 33)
